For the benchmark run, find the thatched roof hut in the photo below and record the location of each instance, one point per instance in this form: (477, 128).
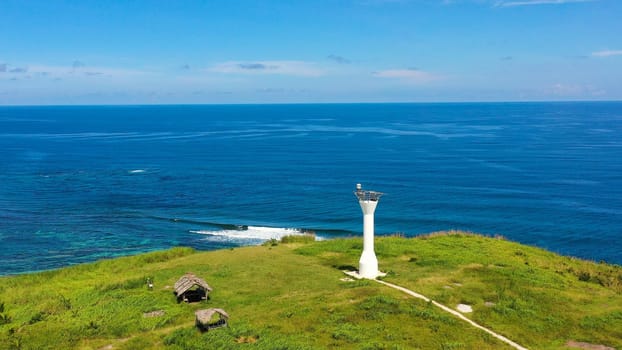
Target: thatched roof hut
(191, 288)
(204, 318)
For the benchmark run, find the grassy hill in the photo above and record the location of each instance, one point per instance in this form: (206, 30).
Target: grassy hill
(292, 296)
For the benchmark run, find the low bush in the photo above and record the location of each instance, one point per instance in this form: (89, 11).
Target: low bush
(305, 238)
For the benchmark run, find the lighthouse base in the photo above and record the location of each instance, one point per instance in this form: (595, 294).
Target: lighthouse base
(368, 266)
(355, 274)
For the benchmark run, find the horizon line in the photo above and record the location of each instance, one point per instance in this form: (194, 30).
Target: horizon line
(300, 103)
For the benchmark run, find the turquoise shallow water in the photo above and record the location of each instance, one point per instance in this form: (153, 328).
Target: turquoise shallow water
(83, 183)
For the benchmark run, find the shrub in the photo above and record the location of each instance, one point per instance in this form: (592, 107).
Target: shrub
(166, 255)
(452, 345)
(306, 238)
(584, 276)
(38, 317)
(347, 332)
(127, 284)
(64, 302)
(272, 242)
(4, 319)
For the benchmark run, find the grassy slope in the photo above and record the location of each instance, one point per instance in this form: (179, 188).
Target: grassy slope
(541, 300)
(291, 296)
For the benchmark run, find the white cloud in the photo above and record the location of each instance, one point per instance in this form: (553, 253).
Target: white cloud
(71, 71)
(607, 53)
(296, 68)
(575, 90)
(511, 3)
(410, 75)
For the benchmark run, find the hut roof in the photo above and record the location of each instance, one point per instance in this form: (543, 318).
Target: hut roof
(188, 281)
(204, 316)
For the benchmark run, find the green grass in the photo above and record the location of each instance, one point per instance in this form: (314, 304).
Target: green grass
(541, 300)
(290, 296)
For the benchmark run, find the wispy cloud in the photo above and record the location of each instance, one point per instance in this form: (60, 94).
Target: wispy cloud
(256, 66)
(575, 90)
(296, 68)
(281, 91)
(18, 70)
(76, 71)
(338, 59)
(511, 3)
(409, 75)
(607, 53)
(2, 67)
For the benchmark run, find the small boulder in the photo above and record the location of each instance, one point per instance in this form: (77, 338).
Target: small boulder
(464, 308)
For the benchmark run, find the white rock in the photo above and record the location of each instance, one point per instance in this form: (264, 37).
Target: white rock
(464, 308)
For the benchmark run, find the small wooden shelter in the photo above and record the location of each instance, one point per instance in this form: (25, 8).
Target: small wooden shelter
(191, 288)
(204, 319)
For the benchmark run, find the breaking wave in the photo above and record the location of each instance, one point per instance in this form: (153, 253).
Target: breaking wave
(252, 233)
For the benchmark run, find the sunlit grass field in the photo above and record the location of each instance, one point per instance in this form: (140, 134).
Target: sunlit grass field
(290, 295)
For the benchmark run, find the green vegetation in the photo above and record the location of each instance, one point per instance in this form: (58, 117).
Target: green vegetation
(291, 295)
(305, 238)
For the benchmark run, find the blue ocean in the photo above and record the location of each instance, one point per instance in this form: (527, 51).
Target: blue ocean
(83, 183)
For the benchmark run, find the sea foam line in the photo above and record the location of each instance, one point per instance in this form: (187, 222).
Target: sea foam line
(259, 233)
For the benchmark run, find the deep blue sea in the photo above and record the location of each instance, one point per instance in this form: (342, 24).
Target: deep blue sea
(84, 183)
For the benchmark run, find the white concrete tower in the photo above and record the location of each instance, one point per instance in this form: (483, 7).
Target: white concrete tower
(368, 264)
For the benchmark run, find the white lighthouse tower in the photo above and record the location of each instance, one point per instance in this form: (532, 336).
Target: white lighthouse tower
(368, 264)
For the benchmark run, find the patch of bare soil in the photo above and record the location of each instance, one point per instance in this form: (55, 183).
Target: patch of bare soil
(156, 313)
(587, 346)
(246, 340)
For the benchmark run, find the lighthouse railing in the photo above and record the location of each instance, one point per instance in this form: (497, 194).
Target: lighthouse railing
(368, 195)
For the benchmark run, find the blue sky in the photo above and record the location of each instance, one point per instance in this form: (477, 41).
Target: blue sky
(143, 52)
